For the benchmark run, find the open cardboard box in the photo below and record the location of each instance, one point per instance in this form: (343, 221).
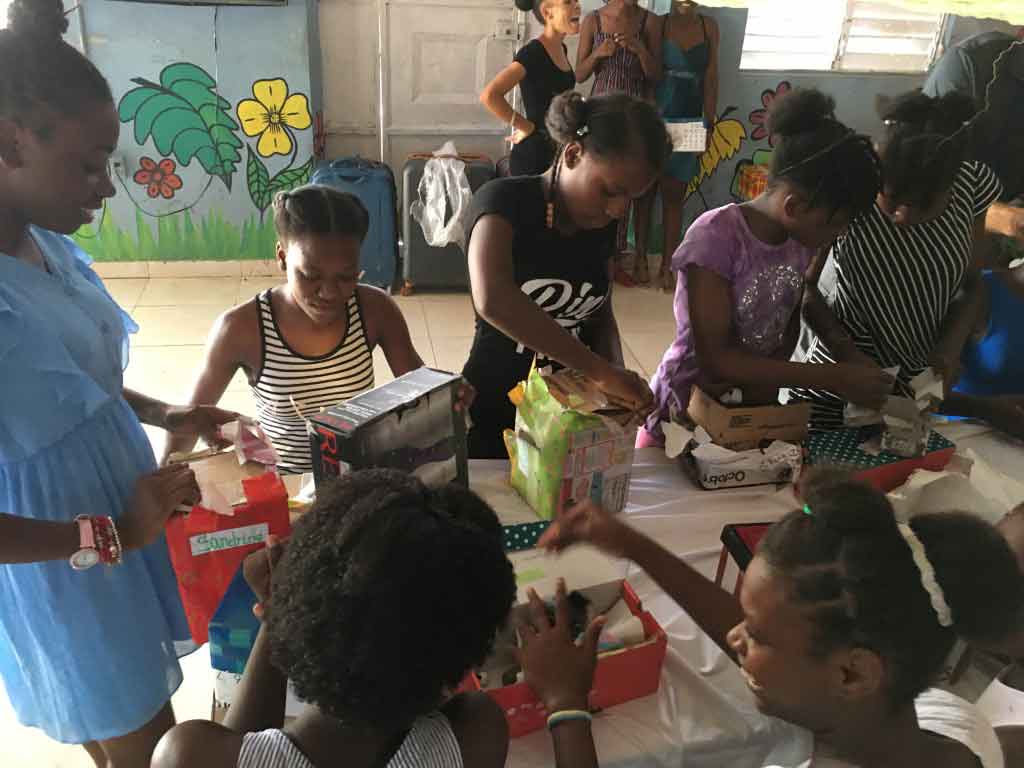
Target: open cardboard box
(622, 675)
(742, 428)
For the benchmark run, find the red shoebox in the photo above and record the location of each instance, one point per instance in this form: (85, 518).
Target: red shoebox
(886, 471)
(622, 675)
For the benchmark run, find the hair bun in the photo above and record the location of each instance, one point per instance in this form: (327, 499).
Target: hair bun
(524, 5)
(800, 111)
(567, 114)
(44, 19)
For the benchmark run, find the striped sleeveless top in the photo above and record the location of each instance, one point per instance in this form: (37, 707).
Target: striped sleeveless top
(313, 382)
(430, 744)
(621, 72)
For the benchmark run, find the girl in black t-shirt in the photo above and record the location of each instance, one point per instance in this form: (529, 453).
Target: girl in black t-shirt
(540, 253)
(542, 70)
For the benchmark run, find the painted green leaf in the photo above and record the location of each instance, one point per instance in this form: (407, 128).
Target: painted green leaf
(259, 181)
(290, 178)
(186, 118)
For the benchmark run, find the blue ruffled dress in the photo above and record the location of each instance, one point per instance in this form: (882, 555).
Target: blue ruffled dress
(91, 655)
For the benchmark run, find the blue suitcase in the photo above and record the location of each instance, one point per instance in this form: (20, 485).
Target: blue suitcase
(374, 184)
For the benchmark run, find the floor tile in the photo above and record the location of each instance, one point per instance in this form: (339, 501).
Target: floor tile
(112, 270)
(451, 316)
(173, 326)
(195, 269)
(126, 291)
(251, 286)
(451, 352)
(191, 291)
(648, 348)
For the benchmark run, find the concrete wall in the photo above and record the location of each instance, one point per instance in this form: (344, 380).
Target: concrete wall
(207, 197)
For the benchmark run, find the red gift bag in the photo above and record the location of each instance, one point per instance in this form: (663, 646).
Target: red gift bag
(206, 548)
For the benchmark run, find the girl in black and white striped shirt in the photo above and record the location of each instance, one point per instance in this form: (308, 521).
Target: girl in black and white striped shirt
(908, 287)
(306, 344)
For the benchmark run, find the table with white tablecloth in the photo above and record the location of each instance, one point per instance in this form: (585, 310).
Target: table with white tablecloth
(703, 714)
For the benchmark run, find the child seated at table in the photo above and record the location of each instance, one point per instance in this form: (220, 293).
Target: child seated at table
(308, 343)
(385, 596)
(844, 619)
(740, 270)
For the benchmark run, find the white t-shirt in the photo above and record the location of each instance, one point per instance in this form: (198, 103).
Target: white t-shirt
(938, 712)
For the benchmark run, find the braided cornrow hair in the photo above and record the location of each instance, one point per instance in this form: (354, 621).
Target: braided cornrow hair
(833, 166)
(316, 209)
(846, 561)
(42, 77)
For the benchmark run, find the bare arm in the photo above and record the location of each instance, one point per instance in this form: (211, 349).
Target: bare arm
(149, 410)
(386, 328)
(711, 74)
(650, 49)
(727, 363)
(500, 302)
(232, 333)
(1007, 220)
(586, 58)
(495, 93)
(604, 329)
(821, 319)
(260, 699)
(23, 540)
(963, 312)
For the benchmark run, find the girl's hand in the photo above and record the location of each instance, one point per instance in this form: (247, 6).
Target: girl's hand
(606, 49)
(865, 385)
(203, 421)
(1007, 415)
(560, 672)
(628, 388)
(522, 133)
(156, 497)
(466, 396)
(585, 523)
(631, 43)
(258, 569)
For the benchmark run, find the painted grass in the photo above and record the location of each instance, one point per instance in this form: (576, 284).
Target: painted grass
(179, 238)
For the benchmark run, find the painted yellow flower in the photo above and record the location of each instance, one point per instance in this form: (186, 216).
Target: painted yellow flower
(271, 114)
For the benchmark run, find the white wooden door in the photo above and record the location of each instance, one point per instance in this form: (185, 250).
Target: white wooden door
(425, 88)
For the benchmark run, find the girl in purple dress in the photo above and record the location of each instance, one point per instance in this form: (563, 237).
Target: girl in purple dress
(740, 271)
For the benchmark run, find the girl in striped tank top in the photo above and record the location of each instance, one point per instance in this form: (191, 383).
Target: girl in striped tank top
(307, 343)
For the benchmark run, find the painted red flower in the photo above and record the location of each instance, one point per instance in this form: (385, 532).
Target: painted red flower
(159, 179)
(759, 117)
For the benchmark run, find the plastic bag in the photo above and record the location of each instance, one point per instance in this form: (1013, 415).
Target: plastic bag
(444, 187)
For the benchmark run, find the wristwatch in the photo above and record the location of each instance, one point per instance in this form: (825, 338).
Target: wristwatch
(87, 556)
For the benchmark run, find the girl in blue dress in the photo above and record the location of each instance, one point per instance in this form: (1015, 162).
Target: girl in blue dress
(688, 91)
(88, 652)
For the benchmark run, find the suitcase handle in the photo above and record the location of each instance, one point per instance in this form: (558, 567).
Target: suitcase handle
(466, 158)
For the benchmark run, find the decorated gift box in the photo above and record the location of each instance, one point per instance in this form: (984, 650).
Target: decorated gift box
(858, 450)
(569, 444)
(632, 648)
(408, 424)
(233, 628)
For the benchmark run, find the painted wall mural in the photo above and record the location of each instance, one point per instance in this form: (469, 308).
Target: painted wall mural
(183, 120)
(758, 118)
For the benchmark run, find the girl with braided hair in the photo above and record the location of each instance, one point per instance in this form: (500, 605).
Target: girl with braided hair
(844, 620)
(540, 253)
(740, 270)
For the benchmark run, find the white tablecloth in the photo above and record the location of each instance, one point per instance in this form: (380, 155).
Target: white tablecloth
(703, 714)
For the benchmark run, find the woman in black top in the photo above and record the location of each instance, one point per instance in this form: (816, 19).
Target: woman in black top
(541, 249)
(542, 70)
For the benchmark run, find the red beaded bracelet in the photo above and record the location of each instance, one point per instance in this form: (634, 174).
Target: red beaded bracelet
(108, 543)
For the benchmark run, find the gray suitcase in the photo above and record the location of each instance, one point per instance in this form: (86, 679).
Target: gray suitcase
(424, 266)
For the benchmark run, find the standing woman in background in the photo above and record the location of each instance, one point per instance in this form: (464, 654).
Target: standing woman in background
(620, 45)
(542, 70)
(688, 90)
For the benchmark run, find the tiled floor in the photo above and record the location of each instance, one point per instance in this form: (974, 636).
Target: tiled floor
(176, 314)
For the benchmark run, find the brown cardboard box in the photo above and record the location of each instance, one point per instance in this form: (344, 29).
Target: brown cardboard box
(743, 428)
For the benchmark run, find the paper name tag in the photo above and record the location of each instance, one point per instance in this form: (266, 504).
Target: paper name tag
(205, 543)
(688, 137)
